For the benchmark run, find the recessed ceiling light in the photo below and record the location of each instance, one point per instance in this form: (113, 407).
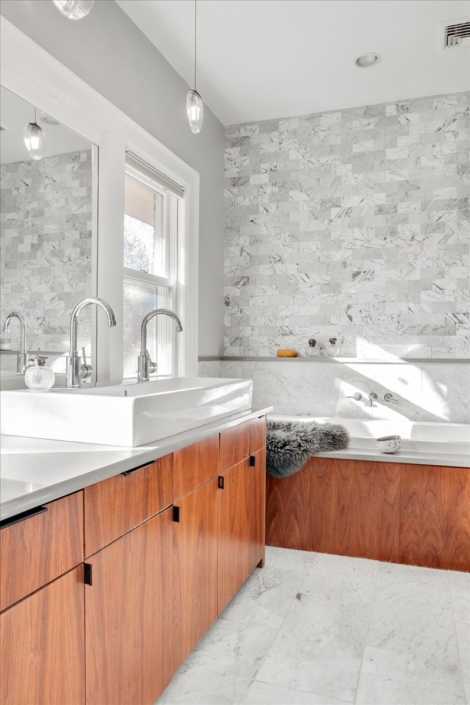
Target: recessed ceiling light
(364, 61)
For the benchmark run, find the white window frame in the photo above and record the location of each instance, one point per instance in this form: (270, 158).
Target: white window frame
(170, 226)
(34, 75)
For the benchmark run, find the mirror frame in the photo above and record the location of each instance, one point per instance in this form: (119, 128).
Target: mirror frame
(38, 78)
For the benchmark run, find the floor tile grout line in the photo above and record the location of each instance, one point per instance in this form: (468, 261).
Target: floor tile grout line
(307, 692)
(459, 650)
(277, 632)
(376, 578)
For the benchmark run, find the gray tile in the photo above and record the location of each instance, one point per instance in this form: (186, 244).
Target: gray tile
(413, 615)
(394, 678)
(313, 640)
(219, 671)
(268, 594)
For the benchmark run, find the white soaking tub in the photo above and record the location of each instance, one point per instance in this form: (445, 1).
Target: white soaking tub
(423, 443)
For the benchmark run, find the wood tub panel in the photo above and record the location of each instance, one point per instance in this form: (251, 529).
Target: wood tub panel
(395, 512)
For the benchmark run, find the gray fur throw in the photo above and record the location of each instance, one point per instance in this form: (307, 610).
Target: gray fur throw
(290, 444)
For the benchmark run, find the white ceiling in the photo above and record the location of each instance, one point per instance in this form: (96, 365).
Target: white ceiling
(261, 59)
(15, 114)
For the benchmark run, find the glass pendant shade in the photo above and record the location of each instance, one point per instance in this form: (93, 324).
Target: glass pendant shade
(35, 140)
(74, 9)
(195, 111)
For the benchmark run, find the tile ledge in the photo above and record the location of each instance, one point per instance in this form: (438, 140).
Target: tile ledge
(356, 360)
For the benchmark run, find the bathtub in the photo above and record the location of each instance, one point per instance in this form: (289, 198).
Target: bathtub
(423, 443)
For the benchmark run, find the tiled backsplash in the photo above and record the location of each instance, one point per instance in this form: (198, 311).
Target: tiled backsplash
(427, 391)
(46, 246)
(354, 224)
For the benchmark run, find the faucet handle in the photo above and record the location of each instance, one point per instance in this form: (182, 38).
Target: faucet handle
(357, 396)
(153, 366)
(390, 398)
(85, 369)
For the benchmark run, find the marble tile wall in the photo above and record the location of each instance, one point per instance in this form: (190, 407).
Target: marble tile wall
(209, 368)
(428, 391)
(46, 246)
(354, 224)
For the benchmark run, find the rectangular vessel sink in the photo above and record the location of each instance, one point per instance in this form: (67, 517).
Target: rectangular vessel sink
(128, 414)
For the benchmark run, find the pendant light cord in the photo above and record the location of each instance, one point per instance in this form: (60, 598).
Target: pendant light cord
(195, 42)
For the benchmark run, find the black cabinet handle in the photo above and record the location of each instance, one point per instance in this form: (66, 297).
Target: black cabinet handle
(88, 574)
(221, 482)
(176, 514)
(252, 461)
(139, 467)
(22, 517)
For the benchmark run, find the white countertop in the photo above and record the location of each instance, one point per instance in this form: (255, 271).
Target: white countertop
(35, 471)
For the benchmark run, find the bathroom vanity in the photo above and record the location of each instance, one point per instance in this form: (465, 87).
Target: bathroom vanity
(106, 589)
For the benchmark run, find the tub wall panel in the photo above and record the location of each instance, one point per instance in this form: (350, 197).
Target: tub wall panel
(424, 391)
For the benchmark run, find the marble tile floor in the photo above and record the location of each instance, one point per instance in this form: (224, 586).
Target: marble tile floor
(316, 629)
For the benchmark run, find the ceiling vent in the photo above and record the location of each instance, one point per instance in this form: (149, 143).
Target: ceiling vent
(454, 33)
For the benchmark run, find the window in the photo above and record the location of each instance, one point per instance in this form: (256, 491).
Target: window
(152, 208)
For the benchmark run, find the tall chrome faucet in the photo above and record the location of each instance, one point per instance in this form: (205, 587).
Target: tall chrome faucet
(22, 361)
(77, 369)
(145, 364)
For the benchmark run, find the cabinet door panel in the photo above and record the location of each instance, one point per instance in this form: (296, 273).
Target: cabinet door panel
(129, 630)
(39, 548)
(241, 525)
(235, 444)
(258, 508)
(235, 555)
(117, 505)
(194, 466)
(195, 540)
(43, 646)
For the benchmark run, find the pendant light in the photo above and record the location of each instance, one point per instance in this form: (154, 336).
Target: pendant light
(35, 139)
(194, 104)
(74, 9)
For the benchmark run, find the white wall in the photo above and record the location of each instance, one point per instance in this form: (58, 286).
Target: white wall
(113, 56)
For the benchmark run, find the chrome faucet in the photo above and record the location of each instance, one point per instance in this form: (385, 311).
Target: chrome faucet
(76, 370)
(372, 398)
(22, 357)
(145, 365)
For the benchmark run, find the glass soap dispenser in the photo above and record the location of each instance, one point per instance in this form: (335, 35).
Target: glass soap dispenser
(333, 349)
(38, 377)
(312, 350)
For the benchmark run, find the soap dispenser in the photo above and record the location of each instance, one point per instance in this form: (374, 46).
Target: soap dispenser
(38, 377)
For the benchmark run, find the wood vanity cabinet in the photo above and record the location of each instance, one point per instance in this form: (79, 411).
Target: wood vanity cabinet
(241, 508)
(39, 546)
(241, 525)
(107, 591)
(195, 569)
(129, 616)
(122, 502)
(42, 645)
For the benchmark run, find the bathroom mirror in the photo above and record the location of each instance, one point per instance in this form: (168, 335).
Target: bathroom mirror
(48, 232)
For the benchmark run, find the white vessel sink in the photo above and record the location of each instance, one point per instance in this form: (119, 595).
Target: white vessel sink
(128, 414)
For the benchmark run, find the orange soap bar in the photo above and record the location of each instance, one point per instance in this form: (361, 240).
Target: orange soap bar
(286, 353)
